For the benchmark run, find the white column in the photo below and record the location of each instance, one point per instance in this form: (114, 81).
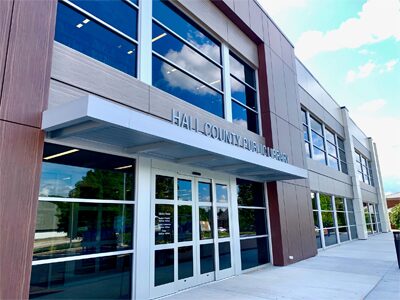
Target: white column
(226, 77)
(235, 226)
(142, 230)
(145, 44)
(376, 173)
(351, 160)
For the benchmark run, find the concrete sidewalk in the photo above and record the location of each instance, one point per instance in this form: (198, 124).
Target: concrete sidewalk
(364, 269)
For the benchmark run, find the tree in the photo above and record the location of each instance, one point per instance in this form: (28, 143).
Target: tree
(395, 217)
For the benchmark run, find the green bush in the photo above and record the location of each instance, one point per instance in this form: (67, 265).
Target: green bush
(395, 217)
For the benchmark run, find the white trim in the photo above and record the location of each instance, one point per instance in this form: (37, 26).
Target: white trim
(226, 83)
(79, 200)
(144, 60)
(79, 257)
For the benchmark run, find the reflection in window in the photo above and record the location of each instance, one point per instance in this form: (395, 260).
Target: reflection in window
(254, 252)
(66, 229)
(223, 222)
(224, 250)
(70, 279)
(244, 94)
(204, 189)
(164, 224)
(184, 190)
(184, 223)
(163, 266)
(221, 191)
(207, 263)
(186, 60)
(206, 225)
(84, 34)
(364, 169)
(185, 262)
(164, 187)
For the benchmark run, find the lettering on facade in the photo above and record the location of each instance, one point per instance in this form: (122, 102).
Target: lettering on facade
(191, 123)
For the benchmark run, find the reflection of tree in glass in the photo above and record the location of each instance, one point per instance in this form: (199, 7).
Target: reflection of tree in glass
(164, 187)
(205, 216)
(325, 201)
(246, 222)
(104, 184)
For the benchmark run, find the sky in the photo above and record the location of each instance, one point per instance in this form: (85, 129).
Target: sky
(353, 48)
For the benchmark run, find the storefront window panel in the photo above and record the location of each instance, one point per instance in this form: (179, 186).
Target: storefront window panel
(164, 187)
(223, 222)
(164, 266)
(164, 224)
(254, 252)
(343, 234)
(224, 250)
(95, 278)
(176, 51)
(206, 225)
(91, 38)
(185, 262)
(185, 223)
(221, 191)
(330, 236)
(177, 83)
(252, 222)
(184, 190)
(171, 17)
(207, 262)
(250, 193)
(68, 229)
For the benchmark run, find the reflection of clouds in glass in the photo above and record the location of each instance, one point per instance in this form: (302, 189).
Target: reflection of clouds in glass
(320, 156)
(195, 64)
(240, 122)
(51, 187)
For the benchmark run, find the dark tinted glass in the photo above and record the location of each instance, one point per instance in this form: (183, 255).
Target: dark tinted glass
(353, 230)
(339, 202)
(242, 71)
(163, 266)
(341, 219)
(252, 222)
(123, 16)
(164, 224)
(167, 14)
(204, 192)
(340, 143)
(243, 93)
(207, 258)
(253, 252)
(185, 57)
(184, 223)
(85, 174)
(330, 237)
(352, 219)
(95, 278)
(314, 201)
(318, 238)
(206, 226)
(244, 117)
(327, 219)
(164, 187)
(94, 40)
(342, 155)
(343, 234)
(68, 229)
(316, 220)
(184, 190)
(250, 193)
(344, 168)
(224, 250)
(325, 202)
(221, 191)
(169, 79)
(223, 222)
(185, 262)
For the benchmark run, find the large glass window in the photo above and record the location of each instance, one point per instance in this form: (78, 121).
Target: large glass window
(328, 219)
(252, 224)
(317, 225)
(364, 169)
(323, 144)
(90, 28)
(86, 207)
(244, 94)
(351, 218)
(372, 218)
(186, 59)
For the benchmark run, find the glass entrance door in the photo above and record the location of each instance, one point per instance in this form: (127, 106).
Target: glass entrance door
(192, 240)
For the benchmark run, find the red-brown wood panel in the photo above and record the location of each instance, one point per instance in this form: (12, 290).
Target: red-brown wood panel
(5, 23)
(21, 150)
(28, 62)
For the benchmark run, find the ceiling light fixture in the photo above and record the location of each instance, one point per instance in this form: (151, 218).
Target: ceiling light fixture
(61, 154)
(85, 21)
(158, 37)
(79, 25)
(123, 167)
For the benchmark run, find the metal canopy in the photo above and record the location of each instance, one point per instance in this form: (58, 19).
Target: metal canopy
(95, 120)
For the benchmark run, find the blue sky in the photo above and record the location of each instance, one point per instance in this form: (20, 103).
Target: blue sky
(353, 48)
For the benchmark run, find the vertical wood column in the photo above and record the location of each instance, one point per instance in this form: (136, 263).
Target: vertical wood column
(26, 40)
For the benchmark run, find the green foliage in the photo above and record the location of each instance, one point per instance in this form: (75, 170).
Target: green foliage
(395, 217)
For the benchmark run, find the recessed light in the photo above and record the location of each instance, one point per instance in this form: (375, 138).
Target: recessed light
(79, 25)
(85, 21)
(123, 167)
(61, 154)
(129, 52)
(158, 37)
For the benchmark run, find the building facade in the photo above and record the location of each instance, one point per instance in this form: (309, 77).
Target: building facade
(167, 145)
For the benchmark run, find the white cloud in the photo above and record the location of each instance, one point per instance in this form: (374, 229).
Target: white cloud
(275, 7)
(391, 63)
(384, 131)
(368, 68)
(372, 106)
(363, 71)
(366, 52)
(378, 20)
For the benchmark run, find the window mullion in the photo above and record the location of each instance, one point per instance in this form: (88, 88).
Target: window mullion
(226, 83)
(310, 135)
(145, 45)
